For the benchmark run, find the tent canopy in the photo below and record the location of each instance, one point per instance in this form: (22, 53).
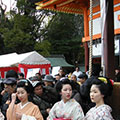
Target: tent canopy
(7, 59)
(30, 58)
(67, 6)
(58, 61)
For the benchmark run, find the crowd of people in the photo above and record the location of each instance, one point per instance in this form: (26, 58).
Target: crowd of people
(62, 97)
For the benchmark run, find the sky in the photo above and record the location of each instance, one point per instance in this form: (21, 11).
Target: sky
(9, 3)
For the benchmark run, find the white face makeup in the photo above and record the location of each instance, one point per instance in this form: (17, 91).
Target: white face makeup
(66, 92)
(95, 95)
(22, 95)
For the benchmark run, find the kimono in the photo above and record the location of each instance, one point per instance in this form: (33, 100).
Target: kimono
(70, 110)
(1, 116)
(29, 111)
(103, 112)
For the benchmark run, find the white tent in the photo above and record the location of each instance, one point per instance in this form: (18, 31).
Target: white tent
(32, 58)
(14, 59)
(24, 61)
(8, 59)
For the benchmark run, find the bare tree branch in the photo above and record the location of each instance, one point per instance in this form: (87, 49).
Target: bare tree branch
(2, 9)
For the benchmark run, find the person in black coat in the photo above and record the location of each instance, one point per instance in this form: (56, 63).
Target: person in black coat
(117, 74)
(9, 88)
(85, 88)
(42, 98)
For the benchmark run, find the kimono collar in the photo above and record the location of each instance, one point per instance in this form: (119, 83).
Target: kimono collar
(22, 106)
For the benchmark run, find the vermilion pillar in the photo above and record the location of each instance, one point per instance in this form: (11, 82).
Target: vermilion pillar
(86, 33)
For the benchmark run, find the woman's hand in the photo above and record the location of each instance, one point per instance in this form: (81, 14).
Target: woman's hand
(48, 110)
(13, 97)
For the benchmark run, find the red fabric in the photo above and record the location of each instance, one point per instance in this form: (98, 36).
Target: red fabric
(26, 67)
(5, 69)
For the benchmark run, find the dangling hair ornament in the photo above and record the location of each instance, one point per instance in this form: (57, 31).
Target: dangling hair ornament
(26, 82)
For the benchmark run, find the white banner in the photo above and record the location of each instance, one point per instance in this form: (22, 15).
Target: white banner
(103, 20)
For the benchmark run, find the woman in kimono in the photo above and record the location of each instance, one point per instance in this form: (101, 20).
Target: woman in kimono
(67, 108)
(25, 110)
(100, 89)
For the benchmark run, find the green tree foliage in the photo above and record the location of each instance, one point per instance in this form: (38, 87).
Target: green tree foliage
(17, 40)
(43, 48)
(25, 29)
(65, 34)
(22, 31)
(3, 24)
(1, 44)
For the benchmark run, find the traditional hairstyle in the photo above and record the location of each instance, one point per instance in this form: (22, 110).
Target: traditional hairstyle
(26, 85)
(62, 82)
(105, 86)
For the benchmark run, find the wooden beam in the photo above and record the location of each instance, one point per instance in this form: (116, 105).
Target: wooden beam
(108, 41)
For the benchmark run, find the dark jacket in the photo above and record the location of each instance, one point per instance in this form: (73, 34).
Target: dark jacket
(42, 104)
(85, 94)
(49, 94)
(85, 88)
(5, 106)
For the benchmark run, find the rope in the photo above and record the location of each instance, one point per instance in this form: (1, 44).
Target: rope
(91, 41)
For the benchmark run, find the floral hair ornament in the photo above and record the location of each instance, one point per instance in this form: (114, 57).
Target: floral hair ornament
(112, 82)
(103, 79)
